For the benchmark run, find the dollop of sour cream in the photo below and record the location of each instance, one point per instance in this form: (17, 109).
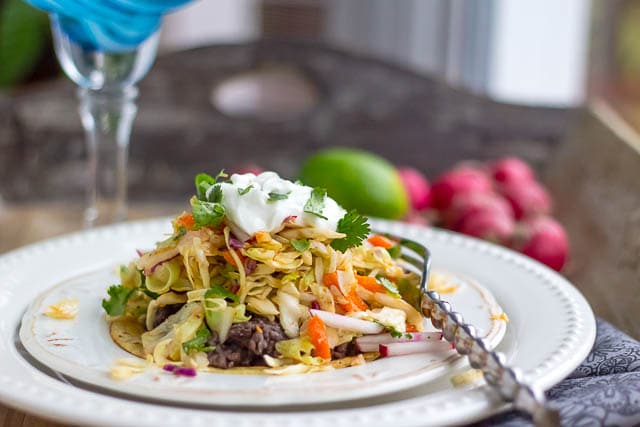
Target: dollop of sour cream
(250, 204)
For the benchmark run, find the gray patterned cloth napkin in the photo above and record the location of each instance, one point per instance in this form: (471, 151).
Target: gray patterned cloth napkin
(603, 390)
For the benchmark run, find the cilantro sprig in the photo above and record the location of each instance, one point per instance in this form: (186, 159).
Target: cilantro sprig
(204, 181)
(117, 301)
(206, 213)
(356, 228)
(315, 204)
(393, 331)
(206, 205)
(199, 341)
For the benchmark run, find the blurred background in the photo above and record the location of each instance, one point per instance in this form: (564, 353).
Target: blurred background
(536, 53)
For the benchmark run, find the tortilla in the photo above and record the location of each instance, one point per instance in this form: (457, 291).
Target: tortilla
(127, 334)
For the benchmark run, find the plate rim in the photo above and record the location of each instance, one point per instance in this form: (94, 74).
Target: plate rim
(578, 338)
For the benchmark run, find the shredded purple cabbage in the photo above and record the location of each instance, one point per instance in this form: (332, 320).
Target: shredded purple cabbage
(235, 243)
(152, 269)
(179, 370)
(185, 372)
(250, 265)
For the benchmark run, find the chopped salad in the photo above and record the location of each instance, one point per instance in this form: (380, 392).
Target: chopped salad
(264, 272)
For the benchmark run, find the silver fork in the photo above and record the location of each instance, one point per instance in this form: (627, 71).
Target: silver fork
(506, 380)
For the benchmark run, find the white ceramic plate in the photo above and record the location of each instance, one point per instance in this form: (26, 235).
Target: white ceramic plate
(551, 330)
(82, 349)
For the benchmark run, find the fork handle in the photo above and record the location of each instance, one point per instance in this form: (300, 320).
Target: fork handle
(506, 380)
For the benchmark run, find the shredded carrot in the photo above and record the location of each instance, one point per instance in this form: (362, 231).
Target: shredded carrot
(378, 240)
(185, 220)
(353, 303)
(370, 284)
(318, 335)
(227, 257)
(411, 328)
(355, 300)
(331, 279)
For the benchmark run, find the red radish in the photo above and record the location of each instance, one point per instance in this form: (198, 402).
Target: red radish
(403, 348)
(527, 198)
(468, 204)
(492, 226)
(464, 179)
(545, 240)
(511, 169)
(372, 342)
(410, 336)
(349, 323)
(417, 187)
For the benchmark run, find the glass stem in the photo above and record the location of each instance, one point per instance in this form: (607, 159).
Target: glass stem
(107, 116)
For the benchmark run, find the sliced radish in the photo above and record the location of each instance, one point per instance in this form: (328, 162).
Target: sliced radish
(367, 347)
(403, 348)
(387, 338)
(349, 323)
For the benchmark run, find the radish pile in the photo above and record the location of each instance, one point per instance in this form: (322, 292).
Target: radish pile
(500, 201)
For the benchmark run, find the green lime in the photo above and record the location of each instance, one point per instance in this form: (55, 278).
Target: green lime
(358, 180)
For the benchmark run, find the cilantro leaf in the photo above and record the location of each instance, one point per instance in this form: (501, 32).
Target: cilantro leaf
(388, 284)
(300, 245)
(393, 331)
(243, 191)
(355, 226)
(198, 343)
(203, 181)
(273, 196)
(206, 213)
(315, 204)
(214, 195)
(217, 291)
(118, 297)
